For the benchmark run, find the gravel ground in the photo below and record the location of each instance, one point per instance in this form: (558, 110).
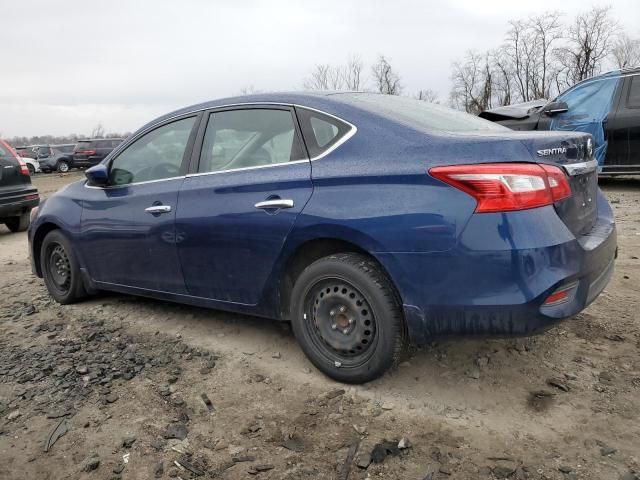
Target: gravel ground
(122, 387)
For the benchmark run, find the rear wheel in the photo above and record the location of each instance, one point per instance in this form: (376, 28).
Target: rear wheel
(347, 319)
(60, 268)
(31, 168)
(62, 166)
(18, 224)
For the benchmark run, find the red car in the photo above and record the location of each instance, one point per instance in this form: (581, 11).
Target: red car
(17, 195)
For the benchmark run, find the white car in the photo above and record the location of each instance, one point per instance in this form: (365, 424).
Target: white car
(32, 164)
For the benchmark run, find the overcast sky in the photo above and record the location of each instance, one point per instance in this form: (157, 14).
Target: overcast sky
(68, 65)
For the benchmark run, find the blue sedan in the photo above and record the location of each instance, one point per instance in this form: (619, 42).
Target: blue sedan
(367, 221)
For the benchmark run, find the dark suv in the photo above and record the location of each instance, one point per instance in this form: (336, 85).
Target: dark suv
(606, 106)
(91, 152)
(17, 195)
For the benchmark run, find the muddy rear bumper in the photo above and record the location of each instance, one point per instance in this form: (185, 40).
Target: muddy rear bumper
(472, 290)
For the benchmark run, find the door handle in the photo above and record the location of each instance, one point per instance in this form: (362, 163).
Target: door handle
(158, 209)
(275, 204)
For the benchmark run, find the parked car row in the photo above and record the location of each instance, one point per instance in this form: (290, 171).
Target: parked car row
(607, 106)
(63, 157)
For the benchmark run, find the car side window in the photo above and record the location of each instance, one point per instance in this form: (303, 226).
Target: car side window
(154, 156)
(633, 100)
(249, 138)
(320, 131)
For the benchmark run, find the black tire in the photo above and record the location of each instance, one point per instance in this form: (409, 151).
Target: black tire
(32, 169)
(347, 318)
(18, 224)
(62, 166)
(60, 269)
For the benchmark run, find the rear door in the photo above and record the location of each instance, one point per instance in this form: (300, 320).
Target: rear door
(251, 179)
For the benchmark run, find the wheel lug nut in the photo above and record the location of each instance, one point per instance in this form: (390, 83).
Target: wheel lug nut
(345, 331)
(333, 326)
(343, 309)
(351, 321)
(332, 313)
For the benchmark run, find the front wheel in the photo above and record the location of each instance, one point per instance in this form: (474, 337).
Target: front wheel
(63, 166)
(60, 268)
(347, 318)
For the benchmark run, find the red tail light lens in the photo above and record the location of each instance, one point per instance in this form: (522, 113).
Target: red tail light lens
(24, 170)
(502, 187)
(87, 152)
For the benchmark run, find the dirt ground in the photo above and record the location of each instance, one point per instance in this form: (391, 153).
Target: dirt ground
(125, 377)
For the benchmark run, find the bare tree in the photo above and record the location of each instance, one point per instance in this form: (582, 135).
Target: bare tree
(626, 51)
(589, 42)
(352, 73)
(248, 90)
(326, 77)
(386, 80)
(427, 95)
(472, 83)
(503, 76)
(546, 30)
(98, 131)
(319, 79)
(527, 53)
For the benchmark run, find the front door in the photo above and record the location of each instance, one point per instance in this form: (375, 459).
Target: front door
(128, 227)
(234, 213)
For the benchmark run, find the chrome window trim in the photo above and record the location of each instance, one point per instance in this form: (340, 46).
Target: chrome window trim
(345, 137)
(242, 169)
(353, 130)
(130, 184)
(581, 168)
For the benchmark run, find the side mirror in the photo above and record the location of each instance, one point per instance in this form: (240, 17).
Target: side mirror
(556, 107)
(98, 175)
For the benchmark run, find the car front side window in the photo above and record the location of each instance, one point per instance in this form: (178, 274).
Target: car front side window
(249, 138)
(156, 155)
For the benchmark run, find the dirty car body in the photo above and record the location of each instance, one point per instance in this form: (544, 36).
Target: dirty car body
(397, 181)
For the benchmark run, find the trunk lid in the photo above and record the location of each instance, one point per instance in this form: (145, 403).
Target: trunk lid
(575, 153)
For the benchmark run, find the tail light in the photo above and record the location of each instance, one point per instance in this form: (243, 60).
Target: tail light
(502, 187)
(24, 170)
(87, 152)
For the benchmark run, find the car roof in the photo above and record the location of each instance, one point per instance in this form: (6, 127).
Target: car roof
(316, 99)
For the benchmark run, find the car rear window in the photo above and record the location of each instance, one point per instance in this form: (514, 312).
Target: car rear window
(82, 146)
(64, 148)
(418, 114)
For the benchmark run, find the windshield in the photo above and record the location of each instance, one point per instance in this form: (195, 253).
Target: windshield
(417, 113)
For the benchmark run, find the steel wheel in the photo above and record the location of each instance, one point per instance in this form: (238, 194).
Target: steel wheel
(59, 268)
(341, 322)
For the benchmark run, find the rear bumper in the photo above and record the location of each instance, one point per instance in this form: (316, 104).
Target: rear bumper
(498, 277)
(16, 205)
